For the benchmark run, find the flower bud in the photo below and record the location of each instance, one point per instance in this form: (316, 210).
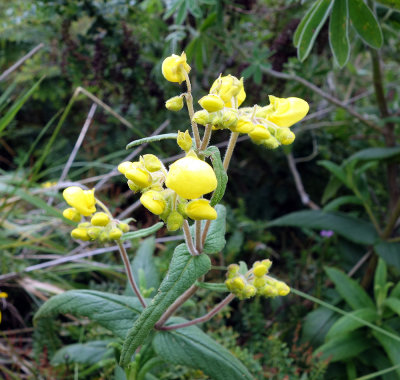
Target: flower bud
(243, 125)
(124, 227)
(201, 117)
(115, 233)
(135, 188)
(94, 232)
(233, 269)
(174, 104)
(229, 119)
(200, 209)
(153, 201)
(269, 291)
(72, 214)
(191, 177)
(282, 288)
(228, 87)
(249, 291)
(259, 269)
(211, 103)
(123, 167)
(259, 133)
(184, 140)
(139, 177)
(82, 200)
(259, 282)
(80, 234)
(174, 221)
(285, 136)
(174, 66)
(100, 219)
(270, 143)
(151, 162)
(287, 112)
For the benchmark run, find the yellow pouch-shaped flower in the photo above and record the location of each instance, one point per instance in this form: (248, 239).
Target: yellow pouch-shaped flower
(80, 234)
(200, 209)
(191, 178)
(72, 214)
(227, 87)
(153, 201)
(174, 66)
(81, 200)
(100, 219)
(212, 103)
(139, 177)
(287, 111)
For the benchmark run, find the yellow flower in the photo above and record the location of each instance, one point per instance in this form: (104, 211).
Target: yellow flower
(287, 111)
(191, 177)
(285, 136)
(139, 177)
(201, 117)
(80, 234)
(259, 133)
(72, 214)
(212, 103)
(100, 219)
(123, 167)
(153, 201)
(151, 162)
(174, 66)
(227, 87)
(243, 125)
(82, 200)
(184, 140)
(174, 104)
(115, 233)
(200, 209)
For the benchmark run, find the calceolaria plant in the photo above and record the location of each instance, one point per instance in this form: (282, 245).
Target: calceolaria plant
(184, 196)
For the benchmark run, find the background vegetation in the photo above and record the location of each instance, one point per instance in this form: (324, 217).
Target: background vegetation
(326, 211)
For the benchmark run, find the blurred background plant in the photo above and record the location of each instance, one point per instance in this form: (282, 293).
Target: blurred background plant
(342, 171)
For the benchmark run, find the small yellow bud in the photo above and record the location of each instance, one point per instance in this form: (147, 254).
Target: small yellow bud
(228, 87)
(94, 232)
(287, 111)
(259, 282)
(84, 225)
(123, 227)
(174, 221)
(243, 125)
(82, 200)
(80, 234)
(269, 291)
(123, 167)
(151, 162)
(271, 143)
(282, 288)
(285, 136)
(72, 214)
(174, 104)
(249, 291)
(135, 188)
(233, 269)
(191, 178)
(201, 117)
(153, 201)
(267, 263)
(139, 177)
(200, 209)
(259, 133)
(211, 103)
(115, 233)
(100, 219)
(174, 66)
(229, 119)
(238, 283)
(260, 270)
(184, 140)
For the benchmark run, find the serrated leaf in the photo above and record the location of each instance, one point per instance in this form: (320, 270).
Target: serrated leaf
(350, 290)
(183, 272)
(344, 200)
(365, 23)
(215, 287)
(312, 27)
(191, 347)
(353, 229)
(142, 233)
(390, 252)
(114, 312)
(338, 32)
(346, 324)
(215, 240)
(344, 347)
(165, 136)
(83, 353)
(303, 22)
(220, 173)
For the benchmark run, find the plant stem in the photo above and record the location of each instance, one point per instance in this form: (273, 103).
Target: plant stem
(189, 103)
(189, 239)
(198, 235)
(205, 232)
(229, 149)
(129, 273)
(205, 317)
(206, 137)
(178, 302)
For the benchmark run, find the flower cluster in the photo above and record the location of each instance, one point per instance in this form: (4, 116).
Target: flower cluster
(255, 281)
(101, 225)
(176, 194)
(268, 126)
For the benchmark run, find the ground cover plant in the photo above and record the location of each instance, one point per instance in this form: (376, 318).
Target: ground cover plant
(324, 208)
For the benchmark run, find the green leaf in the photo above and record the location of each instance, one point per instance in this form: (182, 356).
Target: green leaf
(316, 325)
(183, 272)
(344, 347)
(350, 290)
(346, 324)
(344, 200)
(334, 184)
(393, 304)
(114, 312)
(391, 346)
(380, 287)
(142, 233)
(220, 173)
(376, 154)
(302, 24)
(166, 136)
(335, 169)
(83, 353)
(338, 32)
(365, 23)
(215, 287)
(312, 27)
(215, 240)
(191, 347)
(13, 110)
(390, 252)
(353, 229)
(5, 96)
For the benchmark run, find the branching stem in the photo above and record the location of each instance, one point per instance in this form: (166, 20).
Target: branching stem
(189, 239)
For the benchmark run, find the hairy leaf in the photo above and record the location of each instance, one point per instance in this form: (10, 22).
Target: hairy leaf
(166, 136)
(142, 233)
(215, 287)
(215, 240)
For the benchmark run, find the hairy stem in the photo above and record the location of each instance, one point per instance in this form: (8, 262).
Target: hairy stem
(129, 273)
(206, 137)
(198, 235)
(189, 239)
(189, 103)
(230, 149)
(205, 317)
